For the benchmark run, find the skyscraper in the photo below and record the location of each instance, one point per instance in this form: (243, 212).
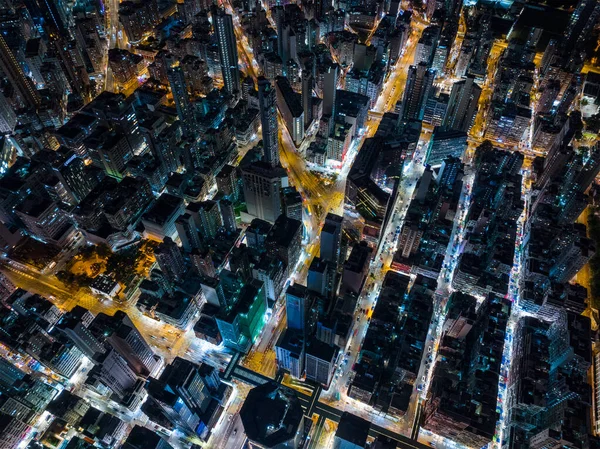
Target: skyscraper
(418, 89)
(330, 81)
(223, 24)
(182, 100)
(462, 105)
(267, 101)
(307, 89)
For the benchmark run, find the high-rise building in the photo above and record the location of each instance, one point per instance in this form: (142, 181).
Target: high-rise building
(308, 82)
(331, 236)
(321, 277)
(417, 91)
(118, 333)
(262, 185)
(330, 82)
(462, 105)
(210, 217)
(110, 149)
(581, 22)
(290, 107)
(267, 100)
(271, 271)
(445, 144)
(227, 215)
(170, 260)
(289, 352)
(8, 118)
(9, 374)
(292, 203)
(188, 233)
(181, 393)
(242, 323)
(142, 438)
(223, 24)
(352, 432)
(159, 137)
(12, 431)
(320, 362)
(183, 105)
(23, 85)
(296, 300)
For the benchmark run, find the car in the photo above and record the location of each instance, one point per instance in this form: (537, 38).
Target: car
(423, 378)
(357, 319)
(235, 431)
(420, 387)
(348, 353)
(429, 349)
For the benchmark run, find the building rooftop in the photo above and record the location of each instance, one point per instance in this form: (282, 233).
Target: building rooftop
(163, 209)
(353, 429)
(271, 414)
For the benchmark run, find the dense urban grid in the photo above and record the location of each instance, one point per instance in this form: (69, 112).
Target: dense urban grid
(299, 224)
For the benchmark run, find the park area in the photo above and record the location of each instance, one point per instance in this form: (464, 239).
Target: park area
(123, 265)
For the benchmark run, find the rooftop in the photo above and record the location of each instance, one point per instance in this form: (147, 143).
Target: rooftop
(271, 414)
